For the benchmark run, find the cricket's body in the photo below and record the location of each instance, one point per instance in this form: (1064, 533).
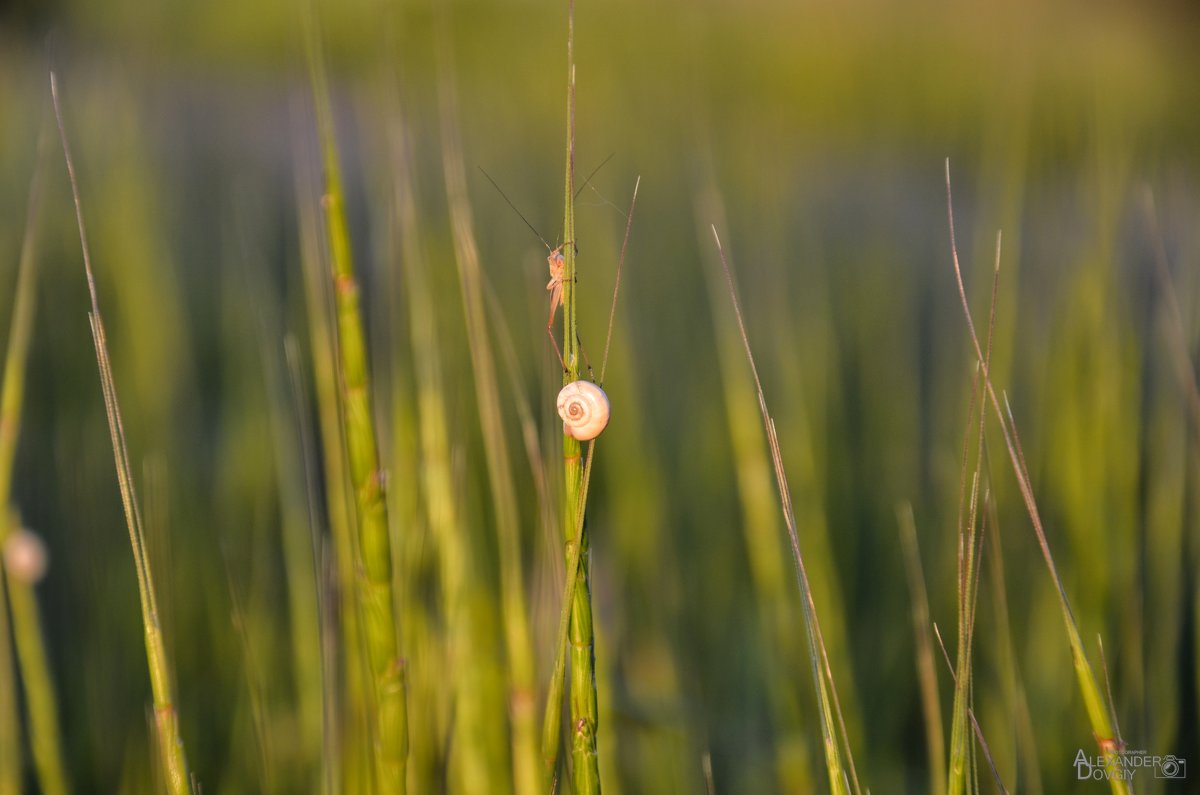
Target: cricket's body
(555, 285)
(555, 288)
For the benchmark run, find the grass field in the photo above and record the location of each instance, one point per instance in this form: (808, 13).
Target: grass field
(351, 542)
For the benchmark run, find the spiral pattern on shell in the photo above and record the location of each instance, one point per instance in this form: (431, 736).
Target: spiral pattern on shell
(584, 409)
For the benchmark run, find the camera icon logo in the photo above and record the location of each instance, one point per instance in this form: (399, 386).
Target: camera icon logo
(1171, 767)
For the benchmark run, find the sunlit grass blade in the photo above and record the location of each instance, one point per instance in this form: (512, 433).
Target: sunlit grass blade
(842, 775)
(1168, 481)
(583, 708)
(513, 608)
(460, 679)
(300, 546)
(350, 764)
(553, 715)
(323, 568)
(12, 381)
(10, 725)
(574, 577)
(970, 711)
(12, 394)
(760, 528)
(969, 551)
(376, 602)
(1089, 689)
(439, 631)
(1029, 778)
(169, 740)
(25, 562)
(931, 709)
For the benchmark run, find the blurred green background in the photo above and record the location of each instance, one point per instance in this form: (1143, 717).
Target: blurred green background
(814, 136)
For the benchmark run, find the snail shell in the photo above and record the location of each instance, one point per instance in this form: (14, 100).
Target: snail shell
(584, 409)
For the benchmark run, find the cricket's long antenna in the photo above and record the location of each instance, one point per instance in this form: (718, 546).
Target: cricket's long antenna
(582, 187)
(595, 171)
(515, 210)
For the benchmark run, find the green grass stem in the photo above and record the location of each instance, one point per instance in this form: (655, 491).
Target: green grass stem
(575, 577)
(10, 724)
(300, 549)
(1093, 699)
(550, 726)
(376, 604)
(842, 775)
(12, 392)
(584, 712)
(29, 640)
(935, 743)
(767, 560)
(170, 743)
(12, 382)
(433, 499)
(442, 507)
(514, 611)
(351, 763)
(1014, 687)
(478, 756)
(969, 551)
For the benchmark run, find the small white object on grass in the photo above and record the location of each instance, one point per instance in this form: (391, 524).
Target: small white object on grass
(584, 409)
(25, 556)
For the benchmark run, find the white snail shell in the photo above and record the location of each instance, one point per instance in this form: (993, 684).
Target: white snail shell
(584, 409)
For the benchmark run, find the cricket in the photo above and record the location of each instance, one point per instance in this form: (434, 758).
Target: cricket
(555, 261)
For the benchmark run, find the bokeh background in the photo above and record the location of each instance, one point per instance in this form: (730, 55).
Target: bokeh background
(814, 135)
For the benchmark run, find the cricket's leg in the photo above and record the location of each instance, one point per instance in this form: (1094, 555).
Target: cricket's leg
(554, 342)
(586, 362)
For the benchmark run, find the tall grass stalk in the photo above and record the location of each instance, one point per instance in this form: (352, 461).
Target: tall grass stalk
(376, 603)
(350, 762)
(574, 576)
(323, 575)
(12, 383)
(584, 711)
(566, 631)
(961, 749)
(10, 726)
(1025, 744)
(529, 430)
(1093, 699)
(30, 642)
(969, 551)
(479, 753)
(1167, 502)
(514, 613)
(768, 563)
(438, 640)
(300, 546)
(842, 775)
(170, 743)
(975, 727)
(12, 398)
(442, 506)
(935, 743)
